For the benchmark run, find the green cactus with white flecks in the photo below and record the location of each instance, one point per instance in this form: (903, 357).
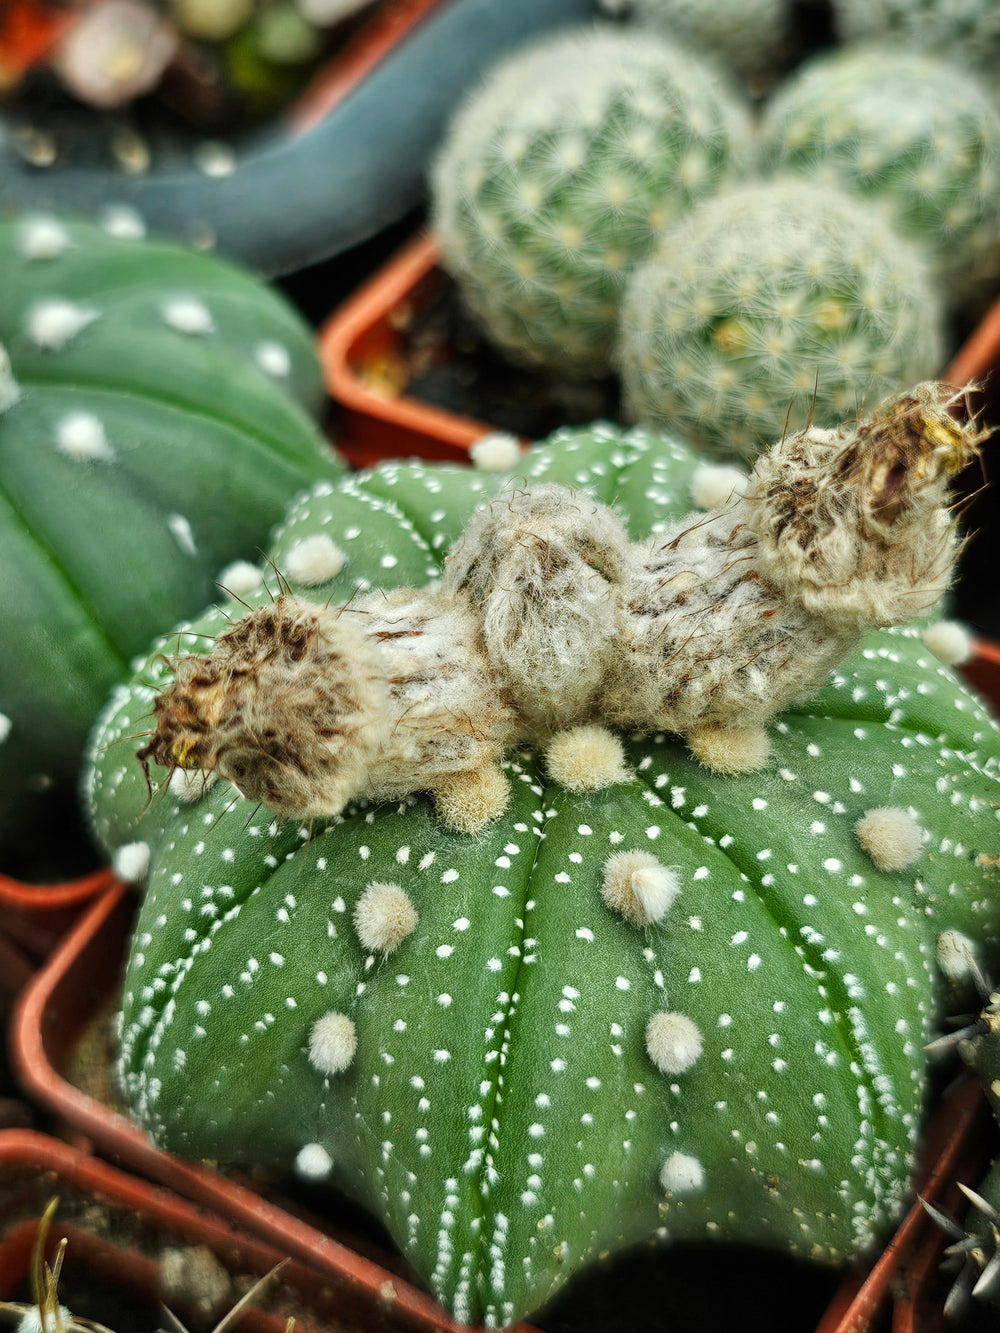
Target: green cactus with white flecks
(155, 419)
(773, 304)
(914, 132)
(557, 173)
(464, 1033)
(965, 28)
(751, 37)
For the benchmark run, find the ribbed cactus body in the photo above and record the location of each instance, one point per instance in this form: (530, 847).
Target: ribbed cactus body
(966, 28)
(154, 422)
(679, 1006)
(772, 304)
(559, 171)
(914, 132)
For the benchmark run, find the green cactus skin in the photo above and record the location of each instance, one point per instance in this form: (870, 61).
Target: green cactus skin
(155, 422)
(750, 35)
(914, 132)
(501, 1113)
(558, 172)
(772, 304)
(968, 29)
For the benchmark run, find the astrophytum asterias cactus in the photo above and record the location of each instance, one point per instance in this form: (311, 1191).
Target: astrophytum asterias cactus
(683, 1005)
(155, 420)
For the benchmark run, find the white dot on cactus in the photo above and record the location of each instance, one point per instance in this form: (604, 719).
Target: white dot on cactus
(333, 1041)
(273, 358)
(313, 1162)
(53, 322)
(730, 749)
(240, 577)
(638, 887)
(949, 641)
(191, 784)
(314, 560)
(682, 1174)
(187, 314)
(10, 391)
(123, 222)
(180, 529)
(956, 955)
(44, 238)
(384, 916)
(496, 452)
(81, 435)
(673, 1042)
(131, 861)
(891, 837)
(5, 727)
(715, 484)
(586, 758)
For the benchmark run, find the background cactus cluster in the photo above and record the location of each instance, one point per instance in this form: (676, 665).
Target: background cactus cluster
(733, 340)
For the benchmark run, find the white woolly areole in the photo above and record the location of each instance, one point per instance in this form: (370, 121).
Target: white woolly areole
(81, 435)
(123, 222)
(682, 1174)
(673, 1042)
(43, 237)
(273, 358)
(638, 887)
(384, 916)
(10, 391)
(5, 726)
(314, 560)
(586, 759)
(949, 641)
(187, 314)
(313, 1162)
(182, 533)
(53, 322)
(332, 1043)
(956, 955)
(716, 484)
(891, 837)
(131, 861)
(240, 577)
(730, 749)
(31, 1321)
(496, 452)
(191, 784)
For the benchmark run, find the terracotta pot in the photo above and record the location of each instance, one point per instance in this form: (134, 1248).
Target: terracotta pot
(117, 1228)
(34, 917)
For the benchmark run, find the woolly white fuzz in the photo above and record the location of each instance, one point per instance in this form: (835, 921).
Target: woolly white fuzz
(682, 1174)
(131, 861)
(187, 314)
(123, 222)
(949, 641)
(890, 836)
(715, 484)
(44, 238)
(182, 533)
(5, 726)
(81, 435)
(32, 1321)
(53, 322)
(673, 1042)
(273, 358)
(314, 560)
(332, 1043)
(956, 955)
(383, 917)
(638, 887)
(730, 749)
(240, 577)
(191, 784)
(496, 452)
(586, 759)
(313, 1162)
(467, 802)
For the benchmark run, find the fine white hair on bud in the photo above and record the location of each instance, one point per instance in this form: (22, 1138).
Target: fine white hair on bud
(314, 560)
(53, 322)
(673, 1042)
(313, 1162)
(131, 861)
(949, 641)
(716, 484)
(891, 837)
(332, 1043)
(638, 887)
(43, 237)
(496, 452)
(81, 435)
(191, 784)
(240, 578)
(956, 955)
(682, 1174)
(586, 758)
(383, 917)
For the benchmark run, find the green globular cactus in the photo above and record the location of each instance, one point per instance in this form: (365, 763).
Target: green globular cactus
(772, 304)
(155, 420)
(912, 131)
(557, 173)
(967, 29)
(681, 1005)
(750, 35)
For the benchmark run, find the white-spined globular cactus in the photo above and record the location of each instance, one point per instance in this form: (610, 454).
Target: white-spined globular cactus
(558, 172)
(678, 1006)
(772, 304)
(968, 29)
(750, 35)
(914, 132)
